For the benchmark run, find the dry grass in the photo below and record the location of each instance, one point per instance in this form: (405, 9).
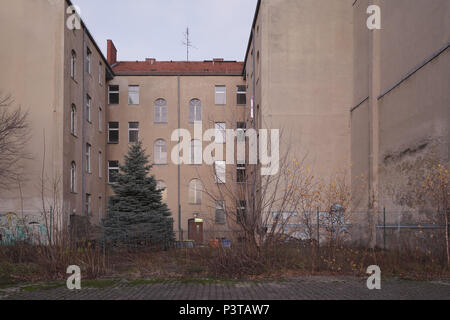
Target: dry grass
(30, 264)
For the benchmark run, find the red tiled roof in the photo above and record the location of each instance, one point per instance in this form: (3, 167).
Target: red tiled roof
(178, 67)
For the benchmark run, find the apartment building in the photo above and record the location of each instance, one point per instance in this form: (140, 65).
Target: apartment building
(347, 99)
(149, 101)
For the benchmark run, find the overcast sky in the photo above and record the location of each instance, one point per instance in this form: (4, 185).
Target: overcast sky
(154, 28)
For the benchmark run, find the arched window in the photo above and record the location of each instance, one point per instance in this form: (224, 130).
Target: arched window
(195, 192)
(73, 61)
(73, 120)
(160, 152)
(195, 111)
(161, 111)
(161, 185)
(196, 152)
(73, 177)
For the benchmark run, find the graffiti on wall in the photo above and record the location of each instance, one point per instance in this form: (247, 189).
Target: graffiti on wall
(14, 229)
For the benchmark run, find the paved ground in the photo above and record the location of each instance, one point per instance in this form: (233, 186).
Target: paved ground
(311, 288)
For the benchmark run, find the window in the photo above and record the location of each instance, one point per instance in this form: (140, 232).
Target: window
(133, 132)
(241, 176)
(221, 130)
(220, 171)
(88, 108)
(73, 177)
(100, 73)
(73, 120)
(161, 185)
(220, 212)
(160, 152)
(100, 165)
(100, 119)
(160, 111)
(195, 192)
(196, 152)
(100, 208)
(241, 211)
(73, 64)
(113, 132)
(89, 60)
(113, 95)
(221, 95)
(133, 95)
(195, 111)
(113, 171)
(88, 206)
(241, 128)
(88, 158)
(241, 95)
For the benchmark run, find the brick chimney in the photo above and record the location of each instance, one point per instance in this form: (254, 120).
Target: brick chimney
(112, 53)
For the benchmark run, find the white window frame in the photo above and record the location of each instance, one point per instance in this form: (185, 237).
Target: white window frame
(89, 60)
(100, 119)
(220, 132)
(113, 92)
(195, 109)
(159, 152)
(73, 177)
(130, 129)
(220, 171)
(240, 92)
(110, 167)
(133, 90)
(73, 64)
(162, 185)
(220, 91)
(73, 120)
(160, 111)
(196, 152)
(100, 165)
(88, 204)
(100, 73)
(88, 109)
(195, 192)
(220, 205)
(88, 158)
(113, 129)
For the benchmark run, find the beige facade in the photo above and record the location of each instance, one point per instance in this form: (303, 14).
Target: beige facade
(401, 113)
(36, 72)
(343, 96)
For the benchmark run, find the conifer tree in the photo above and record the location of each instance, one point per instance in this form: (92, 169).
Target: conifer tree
(136, 214)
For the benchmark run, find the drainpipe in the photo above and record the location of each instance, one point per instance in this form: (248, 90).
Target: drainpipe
(180, 230)
(83, 128)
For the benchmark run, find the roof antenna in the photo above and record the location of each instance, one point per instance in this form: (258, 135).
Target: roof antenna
(187, 42)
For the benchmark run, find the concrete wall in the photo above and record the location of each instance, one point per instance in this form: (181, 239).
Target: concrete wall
(32, 72)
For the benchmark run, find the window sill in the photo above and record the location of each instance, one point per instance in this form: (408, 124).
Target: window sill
(113, 142)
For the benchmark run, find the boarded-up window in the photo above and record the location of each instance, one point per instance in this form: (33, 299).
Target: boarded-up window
(221, 95)
(161, 111)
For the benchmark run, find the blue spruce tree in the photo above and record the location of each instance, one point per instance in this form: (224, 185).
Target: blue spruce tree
(136, 214)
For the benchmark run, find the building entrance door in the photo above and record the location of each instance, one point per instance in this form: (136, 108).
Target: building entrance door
(195, 230)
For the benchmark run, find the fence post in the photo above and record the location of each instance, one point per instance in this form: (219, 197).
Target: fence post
(318, 228)
(384, 228)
